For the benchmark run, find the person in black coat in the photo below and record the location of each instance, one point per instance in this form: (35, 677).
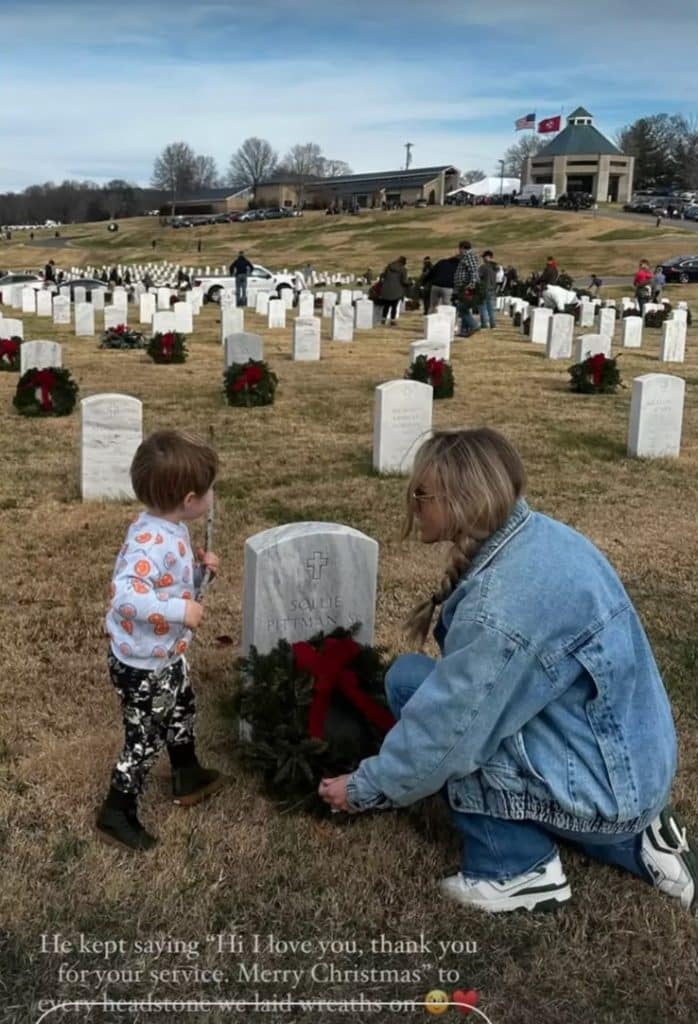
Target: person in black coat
(239, 269)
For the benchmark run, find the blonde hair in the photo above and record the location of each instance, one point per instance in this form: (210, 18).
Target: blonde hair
(170, 464)
(478, 475)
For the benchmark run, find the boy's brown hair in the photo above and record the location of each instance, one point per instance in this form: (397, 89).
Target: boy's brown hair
(170, 464)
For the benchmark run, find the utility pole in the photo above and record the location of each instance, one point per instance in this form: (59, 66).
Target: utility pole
(408, 157)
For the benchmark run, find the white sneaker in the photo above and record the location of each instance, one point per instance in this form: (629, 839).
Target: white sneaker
(668, 858)
(541, 888)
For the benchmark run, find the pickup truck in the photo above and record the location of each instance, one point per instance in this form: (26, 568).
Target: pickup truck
(259, 279)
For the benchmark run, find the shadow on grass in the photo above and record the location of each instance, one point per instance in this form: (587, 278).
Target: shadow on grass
(600, 447)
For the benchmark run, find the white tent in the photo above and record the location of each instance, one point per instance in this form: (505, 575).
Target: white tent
(489, 187)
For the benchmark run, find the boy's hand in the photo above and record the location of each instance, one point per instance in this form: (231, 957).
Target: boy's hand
(208, 560)
(334, 793)
(193, 613)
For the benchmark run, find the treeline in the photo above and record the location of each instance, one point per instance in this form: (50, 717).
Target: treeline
(74, 201)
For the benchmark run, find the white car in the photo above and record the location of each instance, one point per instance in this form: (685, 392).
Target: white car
(259, 279)
(34, 281)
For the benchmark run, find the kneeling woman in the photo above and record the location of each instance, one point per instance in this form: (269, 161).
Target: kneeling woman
(546, 717)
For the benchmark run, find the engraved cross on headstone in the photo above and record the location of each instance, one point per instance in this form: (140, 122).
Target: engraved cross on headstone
(316, 564)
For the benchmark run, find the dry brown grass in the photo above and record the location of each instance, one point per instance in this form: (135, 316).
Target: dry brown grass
(617, 953)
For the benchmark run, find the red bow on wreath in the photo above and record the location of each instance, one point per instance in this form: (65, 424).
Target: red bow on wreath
(120, 328)
(167, 344)
(435, 369)
(250, 376)
(8, 349)
(597, 363)
(46, 380)
(329, 671)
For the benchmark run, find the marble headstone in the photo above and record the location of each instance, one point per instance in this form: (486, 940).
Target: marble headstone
(232, 320)
(28, 300)
(113, 317)
(560, 336)
(261, 306)
(111, 430)
(590, 345)
(672, 348)
(306, 304)
(306, 338)
(39, 355)
(401, 421)
(61, 310)
(342, 322)
(163, 321)
(240, 348)
(13, 328)
(656, 415)
(43, 303)
(184, 317)
(329, 300)
(363, 314)
(435, 349)
(631, 332)
(84, 319)
(147, 304)
(276, 313)
(538, 326)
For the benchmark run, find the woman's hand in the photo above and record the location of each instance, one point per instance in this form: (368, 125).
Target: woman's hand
(334, 793)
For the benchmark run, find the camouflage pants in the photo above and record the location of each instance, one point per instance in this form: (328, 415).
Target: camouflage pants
(158, 708)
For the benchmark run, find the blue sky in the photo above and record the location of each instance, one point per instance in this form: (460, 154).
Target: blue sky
(96, 90)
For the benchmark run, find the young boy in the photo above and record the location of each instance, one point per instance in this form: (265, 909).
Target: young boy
(149, 620)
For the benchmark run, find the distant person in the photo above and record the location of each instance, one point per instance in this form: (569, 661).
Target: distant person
(658, 284)
(595, 284)
(198, 245)
(154, 243)
(556, 298)
(368, 275)
(488, 280)
(239, 269)
(658, 221)
(511, 279)
(424, 285)
(551, 272)
(441, 279)
(394, 284)
(643, 284)
(465, 280)
(501, 279)
(50, 273)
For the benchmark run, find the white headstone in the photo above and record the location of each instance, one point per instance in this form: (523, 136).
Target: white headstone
(163, 321)
(329, 300)
(61, 309)
(39, 355)
(364, 315)
(79, 294)
(591, 345)
(560, 336)
(12, 327)
(113, 317)
(656, 414)
(240, 348)
(607, 322)
(306, 338)
(680, 315)
(111, 430)
(306, 304)
(119, 298)
(286, 295)
(342, 323)
(345, 297)
(262, 303)
(28, 300)
(401, 421)
(538, 327)
(276, 313)
(672, 348)
(304, 578)
(147, 304)
(430, 349)
(184, 317)
(631, 332)
(449, 312)
(43, 303)
(586, 314)
(232, 321)
(84, 319)
(437, 328)
(164, 298)
(97, 298)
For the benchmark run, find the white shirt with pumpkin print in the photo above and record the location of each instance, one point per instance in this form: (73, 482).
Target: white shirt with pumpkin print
(153, 579)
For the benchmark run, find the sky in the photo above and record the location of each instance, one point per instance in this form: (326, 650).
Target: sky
(95, 91)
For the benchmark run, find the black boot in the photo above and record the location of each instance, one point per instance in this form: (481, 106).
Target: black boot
(190, 782)
(118, 824)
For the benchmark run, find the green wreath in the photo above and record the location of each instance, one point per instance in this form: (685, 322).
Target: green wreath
(597, 375)
(437, 372)
(312, 710)
(167, 347)
(47, 392)
(10, 359)
(250, 383)
(122, 336)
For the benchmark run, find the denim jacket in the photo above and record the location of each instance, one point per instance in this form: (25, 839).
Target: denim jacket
(546, 704)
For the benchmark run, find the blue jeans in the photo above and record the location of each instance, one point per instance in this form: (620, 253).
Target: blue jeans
(487, 317)
(467, 320)
(241, 289)
(498, 849)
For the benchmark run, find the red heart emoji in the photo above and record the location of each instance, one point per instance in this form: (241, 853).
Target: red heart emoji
(465, 1000)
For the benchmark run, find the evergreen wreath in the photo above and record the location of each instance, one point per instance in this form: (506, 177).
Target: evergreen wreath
(48, 392)
(656, 317)
(250, 383)
(313, 710)
(436, 372)
(9, 353)
(122, 336)
(167, 347)
(596, 375)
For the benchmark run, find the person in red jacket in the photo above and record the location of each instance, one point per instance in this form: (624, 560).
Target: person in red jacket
(643, 282)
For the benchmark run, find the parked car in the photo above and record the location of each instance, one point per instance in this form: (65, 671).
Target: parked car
(34, 281)
(260, 279)
(273, 213)
(690, 213)
(252, 215)
(90, 284)
(681, 269)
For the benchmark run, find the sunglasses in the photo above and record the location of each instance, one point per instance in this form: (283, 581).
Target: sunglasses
(419, 495)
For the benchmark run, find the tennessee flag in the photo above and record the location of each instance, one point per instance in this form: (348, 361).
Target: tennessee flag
(549, 124)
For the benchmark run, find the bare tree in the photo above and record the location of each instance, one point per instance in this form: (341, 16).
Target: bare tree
(469, 177)
(254, 161)
(517, 155)
(205, 173)
(305, 160)
(335, 169)
(174, 170)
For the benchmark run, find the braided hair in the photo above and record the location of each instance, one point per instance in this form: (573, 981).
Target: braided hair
(478, 476)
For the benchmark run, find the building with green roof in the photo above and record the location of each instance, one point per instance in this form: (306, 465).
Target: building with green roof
(581, 159)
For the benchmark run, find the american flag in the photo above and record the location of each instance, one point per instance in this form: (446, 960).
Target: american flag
(529, 121)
